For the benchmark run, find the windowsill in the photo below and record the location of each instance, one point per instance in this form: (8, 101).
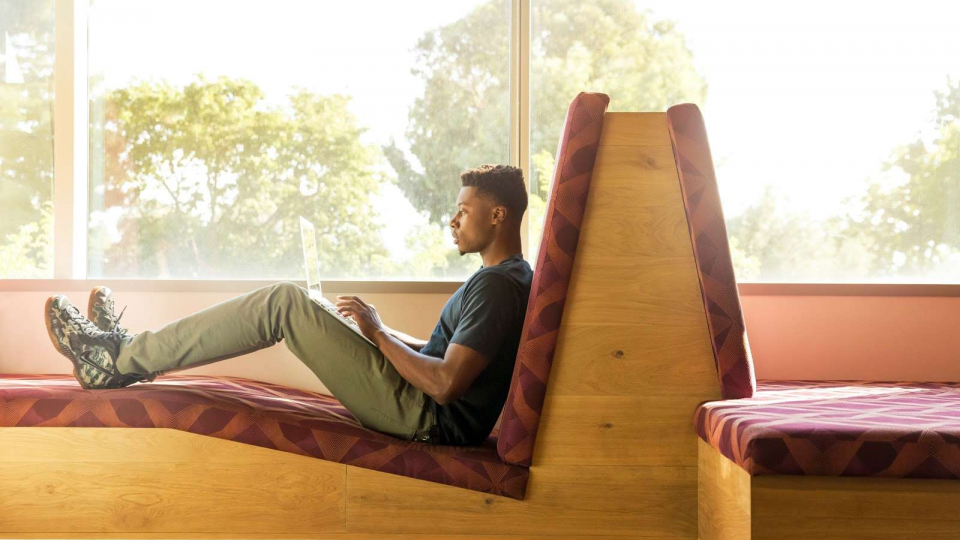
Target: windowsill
(849, 289)
(336, 286)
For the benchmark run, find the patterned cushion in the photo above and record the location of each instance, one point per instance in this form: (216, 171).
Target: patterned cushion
(721, 300)
(839, 428)
(253, 412)
(576, 155)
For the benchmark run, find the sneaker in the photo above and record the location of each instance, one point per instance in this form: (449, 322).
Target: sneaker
(100, 311)
(92, 351)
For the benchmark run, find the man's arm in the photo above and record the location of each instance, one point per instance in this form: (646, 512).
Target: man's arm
(444, 379)
(408, 340)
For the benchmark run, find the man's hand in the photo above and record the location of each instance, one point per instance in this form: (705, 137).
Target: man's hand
(366, 315)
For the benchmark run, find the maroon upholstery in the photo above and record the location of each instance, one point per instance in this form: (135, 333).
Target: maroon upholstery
(826, 428)
(576, 155)
(252, 412)
(718, 284)
(839, 428)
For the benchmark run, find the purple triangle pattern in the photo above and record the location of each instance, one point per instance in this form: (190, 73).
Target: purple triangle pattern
(257, 413)
(718, 284)
(839, 428)
(576, 155)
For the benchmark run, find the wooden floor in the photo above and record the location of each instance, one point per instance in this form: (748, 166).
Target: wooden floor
(735, 506)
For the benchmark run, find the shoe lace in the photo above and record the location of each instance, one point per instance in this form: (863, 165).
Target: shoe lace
(115, 326)
(86, 325)
(115, 321)
(114, 336)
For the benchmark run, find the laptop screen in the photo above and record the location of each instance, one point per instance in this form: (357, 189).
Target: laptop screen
(311, 259)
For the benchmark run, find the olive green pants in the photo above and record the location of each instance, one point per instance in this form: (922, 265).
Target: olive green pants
(355, 372)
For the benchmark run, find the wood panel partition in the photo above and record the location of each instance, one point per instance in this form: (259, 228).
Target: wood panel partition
(737, 506)
(616, 454)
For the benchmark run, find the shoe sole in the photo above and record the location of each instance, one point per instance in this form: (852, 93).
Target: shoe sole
(56, 343)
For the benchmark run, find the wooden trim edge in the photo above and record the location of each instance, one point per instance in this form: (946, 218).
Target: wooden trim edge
(849, 289)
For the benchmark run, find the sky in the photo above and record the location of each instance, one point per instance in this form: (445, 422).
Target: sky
(814, 96)
(811, 97)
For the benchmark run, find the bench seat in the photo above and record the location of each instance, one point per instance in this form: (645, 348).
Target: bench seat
(258, 413)
(839, 428)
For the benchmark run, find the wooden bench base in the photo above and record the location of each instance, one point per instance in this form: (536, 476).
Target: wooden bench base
(165, 483)
(735, 506)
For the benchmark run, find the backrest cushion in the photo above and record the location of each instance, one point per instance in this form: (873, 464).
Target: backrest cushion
(576, 155)
(718, 284)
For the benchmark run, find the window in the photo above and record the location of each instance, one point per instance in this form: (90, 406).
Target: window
(214, 125)
(834, 127)
(26, 138)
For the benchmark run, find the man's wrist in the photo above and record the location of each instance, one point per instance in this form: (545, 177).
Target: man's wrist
(380, 335)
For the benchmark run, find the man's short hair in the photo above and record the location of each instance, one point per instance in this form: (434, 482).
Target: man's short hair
(502, 183)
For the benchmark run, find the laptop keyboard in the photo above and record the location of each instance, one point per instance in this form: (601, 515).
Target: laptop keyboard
(332, 309)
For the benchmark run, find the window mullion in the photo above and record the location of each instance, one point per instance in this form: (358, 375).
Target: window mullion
(520, 102)
(81, 141)
(70, 140)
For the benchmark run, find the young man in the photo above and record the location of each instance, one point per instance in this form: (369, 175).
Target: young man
(447, 390)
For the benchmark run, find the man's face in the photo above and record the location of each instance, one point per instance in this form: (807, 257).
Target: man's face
(473, 222)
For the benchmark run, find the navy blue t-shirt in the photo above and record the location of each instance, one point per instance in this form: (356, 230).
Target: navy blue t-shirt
(486, 314)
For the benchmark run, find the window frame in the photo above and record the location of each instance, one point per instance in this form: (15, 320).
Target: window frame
(71, 181)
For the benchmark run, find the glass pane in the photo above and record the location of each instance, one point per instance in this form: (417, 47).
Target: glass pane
(208, 142)
(835, 134)
(26, 138)
(614, 47)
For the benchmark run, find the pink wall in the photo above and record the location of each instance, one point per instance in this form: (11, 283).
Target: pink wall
(882, 338)
(26, 348)
(792, 337)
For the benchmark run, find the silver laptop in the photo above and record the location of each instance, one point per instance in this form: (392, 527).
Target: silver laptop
(311, 261)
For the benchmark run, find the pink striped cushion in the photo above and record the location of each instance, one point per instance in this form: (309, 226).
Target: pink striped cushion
(839, 428)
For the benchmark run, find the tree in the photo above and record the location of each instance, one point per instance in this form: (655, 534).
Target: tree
(914, 228)
(461, 120)
(770, 243)
(206, 180)
(27, 253)
(594, 45)
(26, 137)
(211, 182)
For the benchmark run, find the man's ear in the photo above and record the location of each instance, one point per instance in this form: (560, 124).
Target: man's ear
(499, 214)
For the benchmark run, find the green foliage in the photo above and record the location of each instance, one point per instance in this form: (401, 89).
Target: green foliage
(212, 181)
(914, 228)
(207, 180)
(26, 138)
(603, 46)
(578, 45)
(461, 121)
(28, 253)
(768, 243)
